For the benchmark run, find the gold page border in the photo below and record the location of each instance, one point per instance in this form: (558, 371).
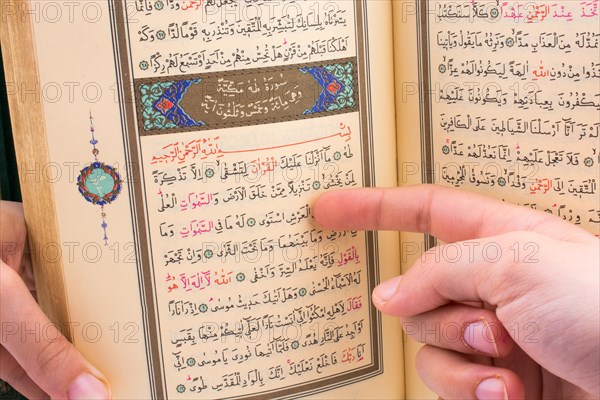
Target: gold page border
(31, 146)
(155, 360)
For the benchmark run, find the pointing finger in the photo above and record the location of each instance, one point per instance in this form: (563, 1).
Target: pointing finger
(449, 214)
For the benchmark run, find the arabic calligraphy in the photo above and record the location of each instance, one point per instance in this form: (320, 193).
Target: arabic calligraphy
(529, 12)
(228, 99)
(236, 244)
(243, 112)
(516, 100)
(181, 37)
(206, 147)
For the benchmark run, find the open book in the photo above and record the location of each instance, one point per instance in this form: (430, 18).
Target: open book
(170, 152)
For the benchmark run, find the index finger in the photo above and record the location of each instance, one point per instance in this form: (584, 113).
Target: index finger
(449, 214)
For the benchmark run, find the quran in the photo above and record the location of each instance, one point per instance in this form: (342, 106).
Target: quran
(170, 152)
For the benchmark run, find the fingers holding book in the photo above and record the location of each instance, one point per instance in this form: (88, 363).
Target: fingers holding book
(455, 376)
(534, 276)
(35, 358)
(462, 328)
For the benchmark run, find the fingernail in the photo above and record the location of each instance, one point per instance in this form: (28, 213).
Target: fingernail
(88, 387)
(384, 291)
(479, 336)
(491, 389)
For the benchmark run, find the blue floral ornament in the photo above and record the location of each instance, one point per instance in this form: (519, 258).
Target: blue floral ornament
(99, 183)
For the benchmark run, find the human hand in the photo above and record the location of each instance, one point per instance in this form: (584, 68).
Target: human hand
(519, 287)
(35, 358)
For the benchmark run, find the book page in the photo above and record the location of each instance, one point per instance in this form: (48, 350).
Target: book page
(188, 141)
(508, 98)
(412, 169)
(515, 102)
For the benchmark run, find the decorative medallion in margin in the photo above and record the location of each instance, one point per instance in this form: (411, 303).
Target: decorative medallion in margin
(99, 183)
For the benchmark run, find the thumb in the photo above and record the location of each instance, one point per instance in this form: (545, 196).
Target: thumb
(38, 347)
(470, 271)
